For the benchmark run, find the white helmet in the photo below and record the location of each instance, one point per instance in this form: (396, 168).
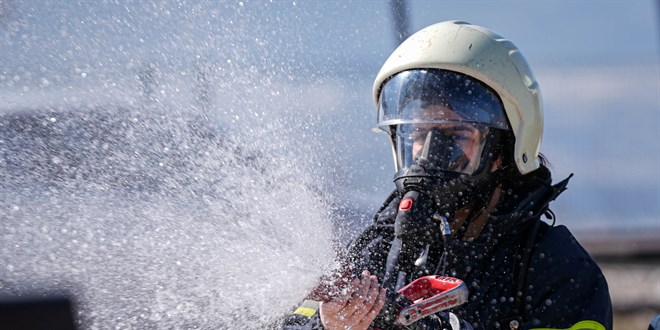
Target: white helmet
(480, 53)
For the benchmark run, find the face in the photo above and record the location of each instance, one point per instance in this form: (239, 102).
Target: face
(468, 137)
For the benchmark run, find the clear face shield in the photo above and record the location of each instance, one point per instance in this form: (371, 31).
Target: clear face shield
(439, 119)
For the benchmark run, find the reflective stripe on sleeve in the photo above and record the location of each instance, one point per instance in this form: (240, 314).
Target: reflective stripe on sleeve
(582, 325)
(307, 308)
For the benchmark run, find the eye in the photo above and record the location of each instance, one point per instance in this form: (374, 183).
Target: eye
(461, 137)
(419, 134)
(464, 132)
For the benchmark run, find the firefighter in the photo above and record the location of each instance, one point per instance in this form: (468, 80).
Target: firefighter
(464, 114)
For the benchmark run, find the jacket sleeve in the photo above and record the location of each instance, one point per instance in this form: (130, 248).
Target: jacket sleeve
(305, 317)
(569, 290)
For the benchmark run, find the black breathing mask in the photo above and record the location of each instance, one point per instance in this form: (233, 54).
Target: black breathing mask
(438, 171)
(447, 130)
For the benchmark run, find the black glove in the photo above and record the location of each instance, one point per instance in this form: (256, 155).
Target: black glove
(441, 321)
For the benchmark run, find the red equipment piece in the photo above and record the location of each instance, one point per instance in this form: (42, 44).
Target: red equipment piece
(431, 294)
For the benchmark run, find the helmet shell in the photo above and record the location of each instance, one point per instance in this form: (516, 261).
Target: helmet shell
(478, 52)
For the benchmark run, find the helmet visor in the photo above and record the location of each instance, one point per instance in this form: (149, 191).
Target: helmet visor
(439, 119)
(405, 96)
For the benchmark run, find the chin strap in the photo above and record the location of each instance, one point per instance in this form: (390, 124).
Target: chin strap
(483, 204)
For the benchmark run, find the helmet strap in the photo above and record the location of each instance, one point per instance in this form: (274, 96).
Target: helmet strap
(474, 222)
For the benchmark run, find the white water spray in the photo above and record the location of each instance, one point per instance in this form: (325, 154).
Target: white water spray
(159, 224)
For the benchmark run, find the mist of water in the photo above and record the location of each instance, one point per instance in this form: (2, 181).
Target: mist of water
(152, 216)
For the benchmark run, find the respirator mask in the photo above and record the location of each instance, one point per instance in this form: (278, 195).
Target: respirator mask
(447, 130)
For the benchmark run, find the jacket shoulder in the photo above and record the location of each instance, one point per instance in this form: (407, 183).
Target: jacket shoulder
(565, 284)
(559, 242)
(558, 256)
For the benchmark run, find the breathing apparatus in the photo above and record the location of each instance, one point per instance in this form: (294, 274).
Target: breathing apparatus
(447, 130)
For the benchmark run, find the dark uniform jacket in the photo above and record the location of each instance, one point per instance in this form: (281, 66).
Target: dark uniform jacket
(521, 272)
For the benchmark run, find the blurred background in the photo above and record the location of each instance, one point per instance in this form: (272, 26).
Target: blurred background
(122, 124)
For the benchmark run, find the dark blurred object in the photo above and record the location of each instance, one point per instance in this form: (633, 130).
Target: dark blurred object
(36, 313)
(655, 323)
